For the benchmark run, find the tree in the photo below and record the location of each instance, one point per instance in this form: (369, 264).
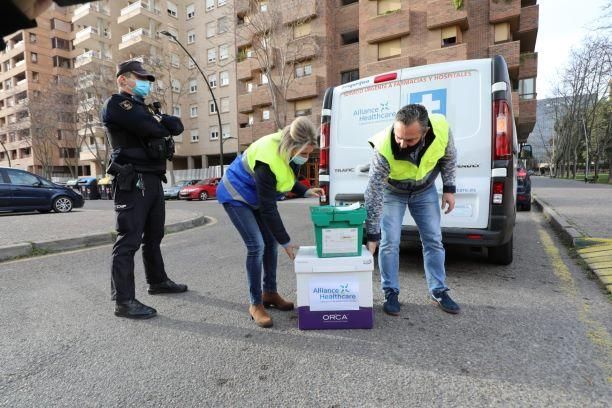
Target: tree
(271, 32)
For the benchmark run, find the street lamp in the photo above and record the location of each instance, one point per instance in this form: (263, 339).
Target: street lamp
(170, 35)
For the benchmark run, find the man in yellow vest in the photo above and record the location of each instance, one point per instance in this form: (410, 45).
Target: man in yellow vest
(408, 157)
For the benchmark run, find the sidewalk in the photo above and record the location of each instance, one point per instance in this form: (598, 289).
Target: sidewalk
(26, 234)
(582, 213)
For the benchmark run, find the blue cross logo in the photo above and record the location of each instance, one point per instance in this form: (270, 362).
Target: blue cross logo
(434, 100)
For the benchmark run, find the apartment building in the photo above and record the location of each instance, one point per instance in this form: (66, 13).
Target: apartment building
(361, 38)
(111, 31)
(34, 61)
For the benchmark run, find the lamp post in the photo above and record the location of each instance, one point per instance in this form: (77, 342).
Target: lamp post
(170, 35)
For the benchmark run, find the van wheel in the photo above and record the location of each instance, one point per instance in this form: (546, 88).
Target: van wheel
(62, 204)
(501, 255)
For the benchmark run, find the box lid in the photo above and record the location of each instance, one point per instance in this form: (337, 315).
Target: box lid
(307, 261)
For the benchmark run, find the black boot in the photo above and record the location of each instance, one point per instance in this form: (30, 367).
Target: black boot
(166, 286)
(133, 309)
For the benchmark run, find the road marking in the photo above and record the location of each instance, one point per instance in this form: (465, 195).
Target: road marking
(595, 331)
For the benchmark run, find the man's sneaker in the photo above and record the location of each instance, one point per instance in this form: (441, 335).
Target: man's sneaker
(166, 286)
(442, 299)
(391, 305)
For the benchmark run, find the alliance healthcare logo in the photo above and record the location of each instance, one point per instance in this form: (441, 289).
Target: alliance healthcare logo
(380, 113)
(342, 294)
(434, 100)
(328, 295)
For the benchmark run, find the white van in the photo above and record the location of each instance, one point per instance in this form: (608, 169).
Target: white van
(475, 96)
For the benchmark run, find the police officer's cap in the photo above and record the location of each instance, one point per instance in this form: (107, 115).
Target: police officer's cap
(136, 67)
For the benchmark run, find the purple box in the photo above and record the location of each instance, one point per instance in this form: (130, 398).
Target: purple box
(336, 319)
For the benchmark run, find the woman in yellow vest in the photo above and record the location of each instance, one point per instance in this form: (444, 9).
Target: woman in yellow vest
(408, 157)
(249, 191)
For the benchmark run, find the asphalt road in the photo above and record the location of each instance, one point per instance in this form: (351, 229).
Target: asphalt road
(535, 333)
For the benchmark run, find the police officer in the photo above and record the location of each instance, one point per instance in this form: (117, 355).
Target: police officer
(141, 140)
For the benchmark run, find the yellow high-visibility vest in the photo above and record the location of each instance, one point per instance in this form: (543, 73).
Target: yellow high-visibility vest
(265, 150)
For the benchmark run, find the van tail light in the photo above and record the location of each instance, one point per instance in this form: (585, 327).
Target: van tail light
(324, 199)
(324, 148)
(385, 77)
(502, 130)
(498, 192)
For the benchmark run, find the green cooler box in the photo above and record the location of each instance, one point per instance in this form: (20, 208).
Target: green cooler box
(338, 230)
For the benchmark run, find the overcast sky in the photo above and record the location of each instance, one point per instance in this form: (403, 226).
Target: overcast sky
(563, 24)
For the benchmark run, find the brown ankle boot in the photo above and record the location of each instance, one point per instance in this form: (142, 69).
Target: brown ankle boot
(275, 300)
(260, 315)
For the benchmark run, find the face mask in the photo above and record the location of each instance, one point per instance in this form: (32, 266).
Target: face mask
(299, 160)
(141, 88)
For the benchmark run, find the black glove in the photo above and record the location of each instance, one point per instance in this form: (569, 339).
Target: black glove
(173, 124)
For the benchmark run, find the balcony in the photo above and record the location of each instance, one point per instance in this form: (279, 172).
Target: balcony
(504, 10)
(89, 38)
(442, 13)
(446, 54)
(307, 47)
(391, 64)
(298, 10)
(244, 35)
(92, 129)
(528, 65)
(88, 152)
(89, 14)
(242, 7)
(248, 135)
(304, 88)
(259, 97)
(528, 28)
(245, 68)
(387, 26)
(139, 13)
(92, 58)
(137, 39)
(510, 51)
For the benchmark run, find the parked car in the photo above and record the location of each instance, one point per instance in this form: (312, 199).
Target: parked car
(202, 190)
(302, 180)
(173, 191)
(523, 190)
(23, 191)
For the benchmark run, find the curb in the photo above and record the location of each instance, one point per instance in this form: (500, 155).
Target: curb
(595, 253)
(28, 249)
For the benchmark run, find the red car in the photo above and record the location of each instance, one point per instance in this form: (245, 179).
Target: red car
(202, 190)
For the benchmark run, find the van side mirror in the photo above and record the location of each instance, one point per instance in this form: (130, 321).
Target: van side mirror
(526, 152)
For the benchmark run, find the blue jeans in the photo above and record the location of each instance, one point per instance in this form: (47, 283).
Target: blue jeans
(262, 249)
(425, 209)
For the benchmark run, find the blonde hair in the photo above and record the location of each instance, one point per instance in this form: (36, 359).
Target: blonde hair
(301, 132)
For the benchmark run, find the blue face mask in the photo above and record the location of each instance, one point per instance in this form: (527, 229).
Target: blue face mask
(299, 160)
(141, 88)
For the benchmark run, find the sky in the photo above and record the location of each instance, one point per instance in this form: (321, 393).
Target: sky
(563, 24)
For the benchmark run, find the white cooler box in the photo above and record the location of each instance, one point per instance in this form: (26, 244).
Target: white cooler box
(334, 293)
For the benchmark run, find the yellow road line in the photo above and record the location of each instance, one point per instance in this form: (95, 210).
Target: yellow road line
(595, 331)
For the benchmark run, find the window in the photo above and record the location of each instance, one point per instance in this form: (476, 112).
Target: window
(263, 6)
(190, 37)
(349, 76)
(61, 62)
(263, 79)
(212, 55)
(190, 63)
(175, 61)
(223, 52)
(66, 152)
(451, 36)
(176, 85)
(195, 136)
(222, 25)
(190, 11)
(350, 37)
(21, 178)
(224, 77)
(251, 119)
(265, 114)
(347, 2)
(303, 70)
(193, 86)
(174, 34)
(172, 10)
(32, 38)
(34, 57)
(193, 111)
(225, 105)
(211, 107)
(60, 43)
(34, 76)
(389, 49)
(211, 29)
(303, 108)
(526, 88)
(212, 80)
(176, 111)
(301, 30)
(210, 4)
(214, 133)
(249, 87)
(502, 32)
(221, 3)
(388, 6)
(226, 130)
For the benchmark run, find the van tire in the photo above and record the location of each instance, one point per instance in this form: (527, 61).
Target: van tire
(501, 255)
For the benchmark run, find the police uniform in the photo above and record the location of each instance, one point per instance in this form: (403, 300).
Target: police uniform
(139, 138)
